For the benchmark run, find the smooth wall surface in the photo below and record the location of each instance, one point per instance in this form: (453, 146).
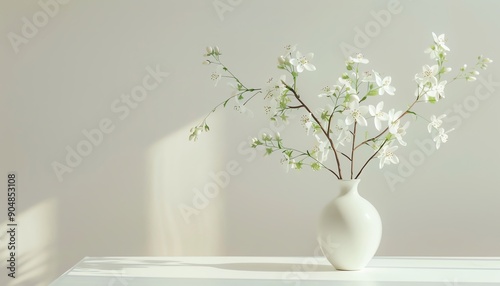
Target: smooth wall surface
(103, 173)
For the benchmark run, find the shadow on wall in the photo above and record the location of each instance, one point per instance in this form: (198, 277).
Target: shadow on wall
(35, 261)
(187, 207)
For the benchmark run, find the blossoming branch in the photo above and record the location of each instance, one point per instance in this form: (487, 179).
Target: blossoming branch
(346, 113)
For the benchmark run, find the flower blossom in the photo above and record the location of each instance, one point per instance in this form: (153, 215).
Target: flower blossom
(378, 114)
(440, 41)
(355, 113)
(302, 62)
(384, 85)
(393, 120)
(359, 59)
(341, 130)
(400, 132)
(387, 156)
(217, 74)
(428, 75)
(442, 137)
(322, 148)
(435, 122)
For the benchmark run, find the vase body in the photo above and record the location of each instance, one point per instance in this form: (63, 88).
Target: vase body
(349, 229)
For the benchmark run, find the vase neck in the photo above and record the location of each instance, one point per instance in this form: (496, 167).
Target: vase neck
(349, 186)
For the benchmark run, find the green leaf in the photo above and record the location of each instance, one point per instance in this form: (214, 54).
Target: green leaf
(411, 112)
(206, 127)
(298, 165)
(225, 102)
(372, 92)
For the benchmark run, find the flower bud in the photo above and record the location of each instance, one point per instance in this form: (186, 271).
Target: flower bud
(216, 50)
(281, 60)
(209, 50)
(206, 62)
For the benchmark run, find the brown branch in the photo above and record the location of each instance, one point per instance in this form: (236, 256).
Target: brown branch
(339, 176)
(369, 159)
(352, 149)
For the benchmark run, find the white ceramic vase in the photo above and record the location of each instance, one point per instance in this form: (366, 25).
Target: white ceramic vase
(350, 229)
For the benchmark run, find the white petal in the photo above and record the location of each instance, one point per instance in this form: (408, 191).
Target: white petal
(390, 89)
(300, 68)
(362, 121)
(310, 67)
(349, 120)
(377, 123)
(395, 159)
(363, 109)
(372, 110)
(380, 106)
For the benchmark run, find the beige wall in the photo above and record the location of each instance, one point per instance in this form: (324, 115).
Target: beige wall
(67, 74)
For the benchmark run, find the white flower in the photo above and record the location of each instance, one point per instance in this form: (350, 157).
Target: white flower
(355, 113)
(436, 91)
(428, 75)
(400, 132)
(345, 83)
(384, 85)
(241, 108)
(290, 49)
(435, 122)
(393, 120)
(307, 122)
(442, 137)
(275, 88)
(323, 148)
(270, 110)
(195, 131)
(341, 130)
(378, 114)
(327, 91)
(359, 59)
(302, 62)
(440, 41)
(217, 74)
(368, 77)
(433, 52)
(387, 156)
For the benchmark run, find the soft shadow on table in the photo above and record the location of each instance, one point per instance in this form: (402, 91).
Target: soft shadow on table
(103, 266)
(270, 267)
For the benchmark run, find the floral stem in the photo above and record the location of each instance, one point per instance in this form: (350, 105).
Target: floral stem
(302, 153)
(352, 149)
(387, 128)
(367, 161)
(339, 176)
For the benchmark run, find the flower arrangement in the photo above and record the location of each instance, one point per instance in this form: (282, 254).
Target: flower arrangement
(344, 124)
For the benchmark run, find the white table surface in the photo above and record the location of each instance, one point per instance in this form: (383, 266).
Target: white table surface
(303, 271)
